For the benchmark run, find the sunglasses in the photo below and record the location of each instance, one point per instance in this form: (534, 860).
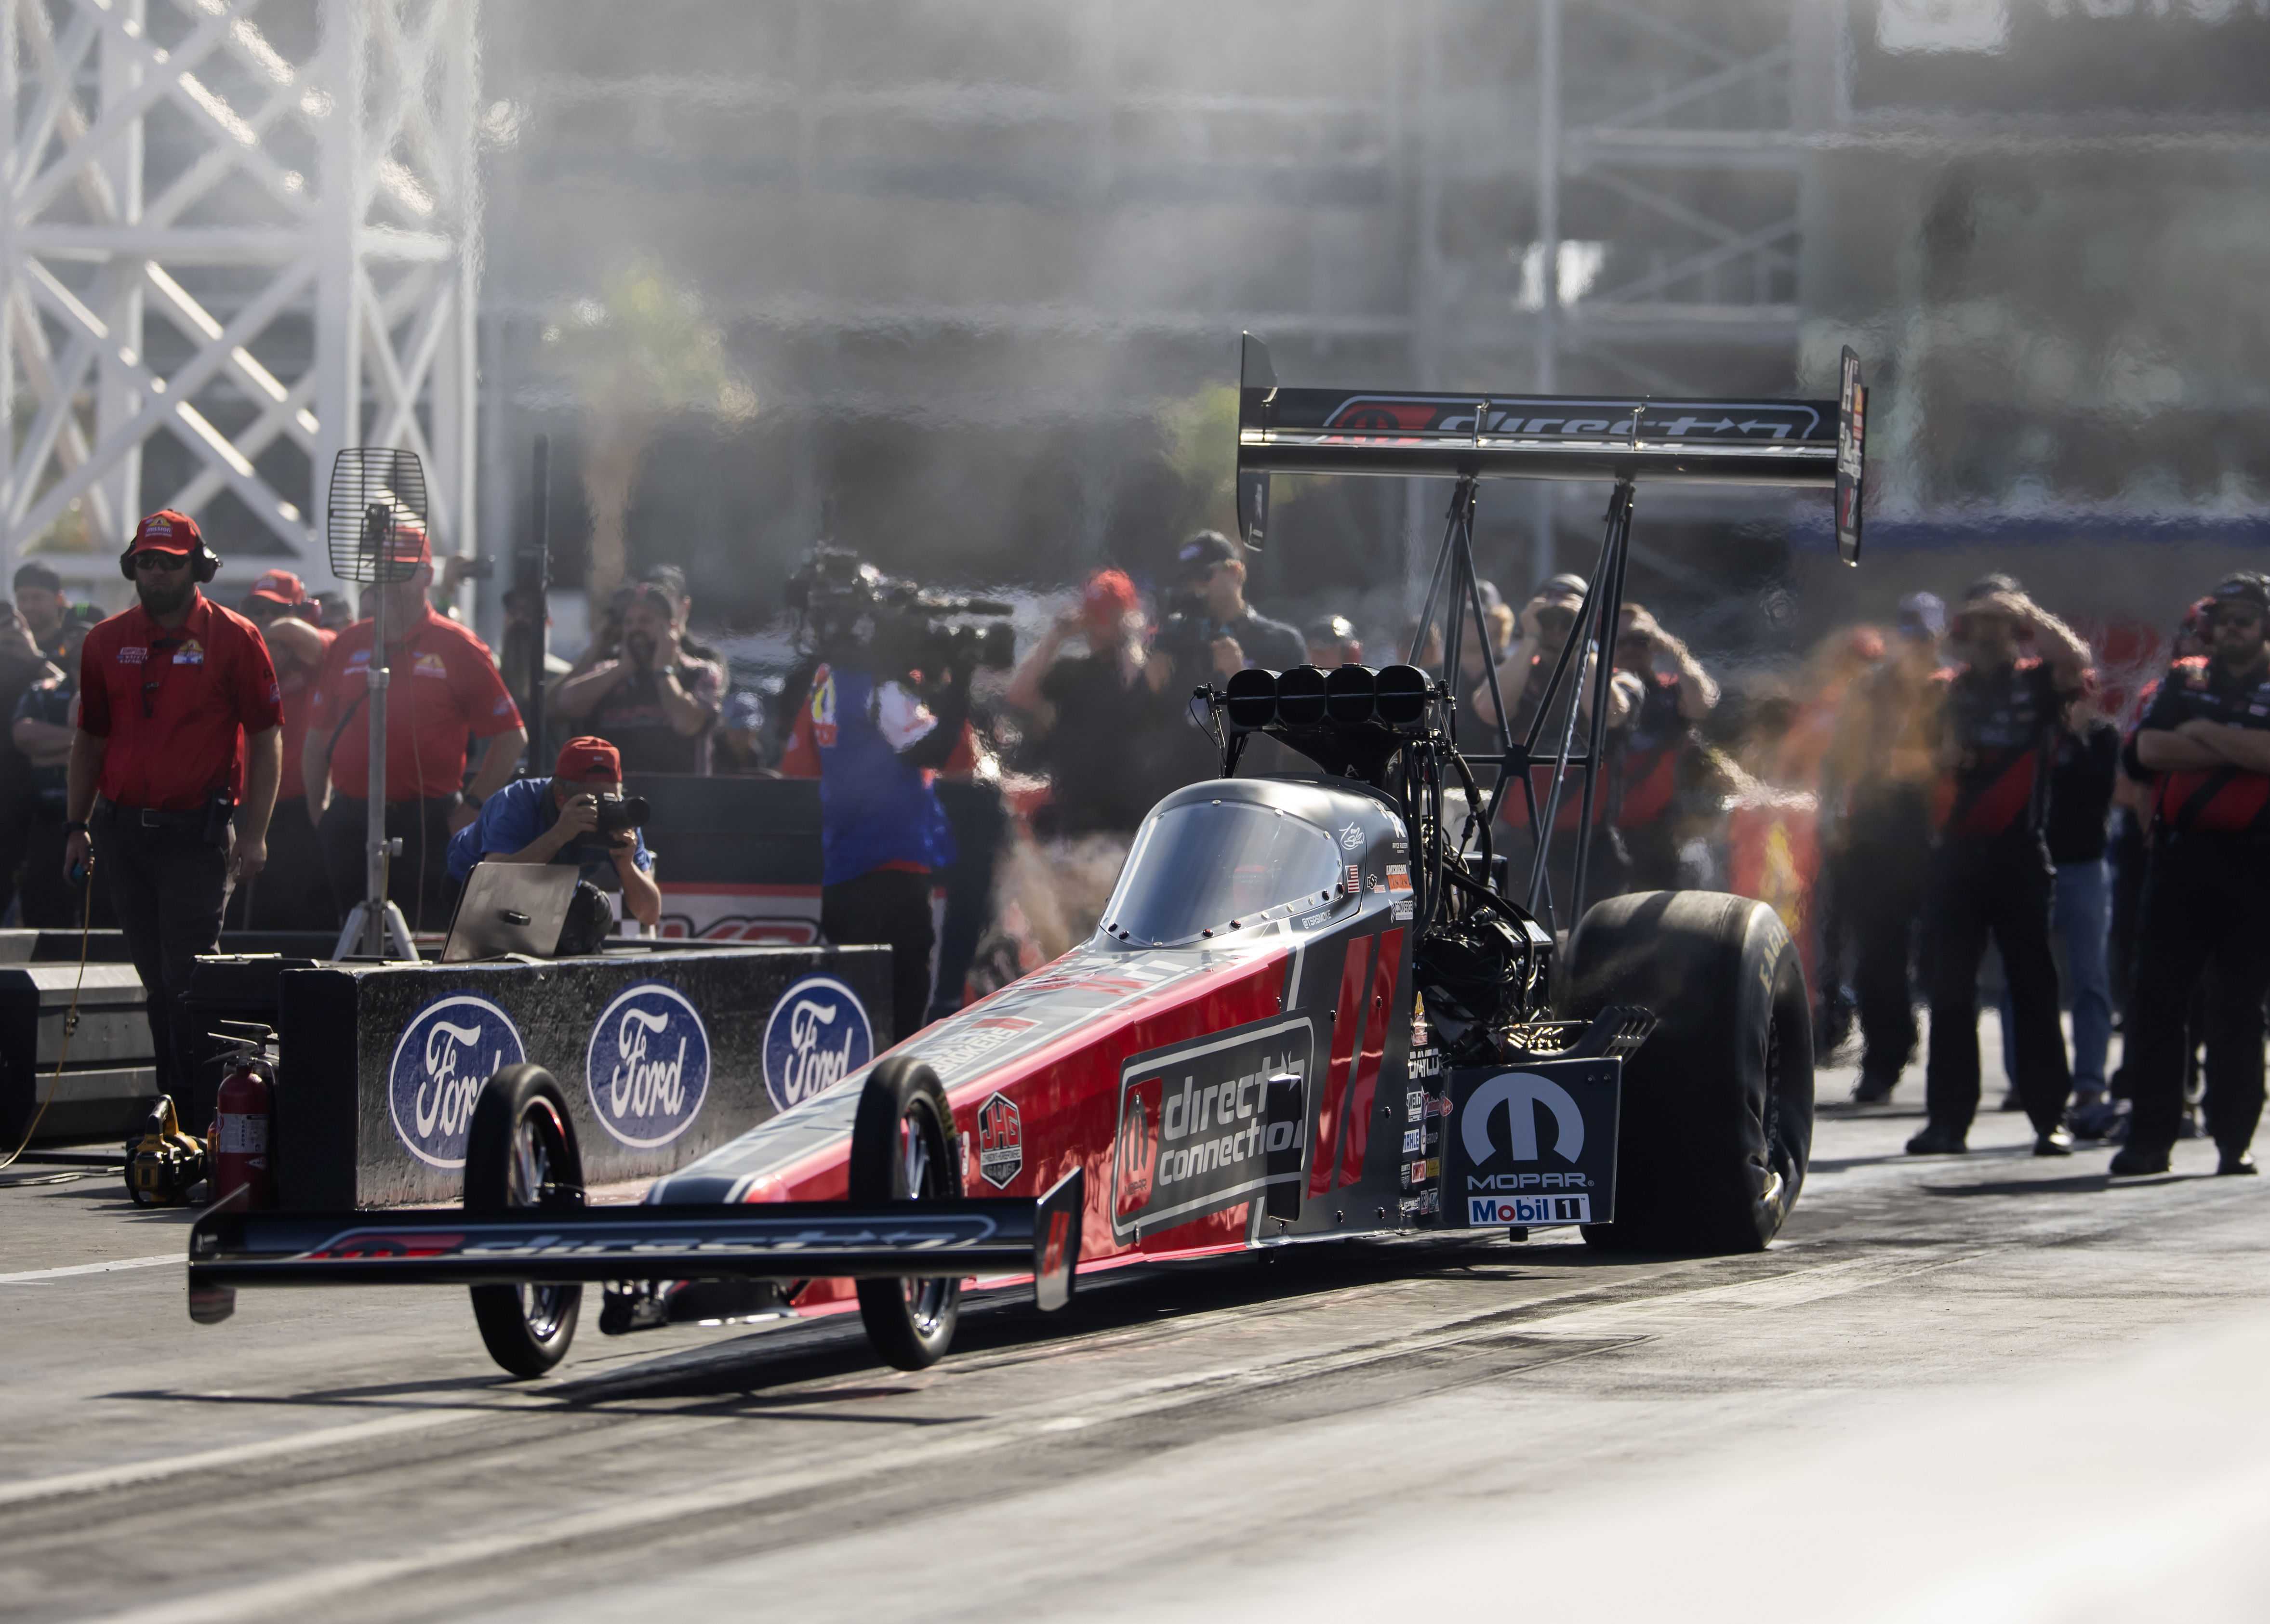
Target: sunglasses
(167, 561)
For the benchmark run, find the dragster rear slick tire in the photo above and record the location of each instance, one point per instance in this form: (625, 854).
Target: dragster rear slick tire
(520, 1151)
(1716, 1122)
(903, 1149)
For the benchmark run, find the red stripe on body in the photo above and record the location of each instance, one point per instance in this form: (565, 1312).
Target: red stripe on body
(2002, 803)
(1348, 1015)
(1385, 963)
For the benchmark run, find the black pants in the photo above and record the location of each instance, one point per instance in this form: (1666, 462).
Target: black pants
(51, 903)
(2204, 906)
(1879, 876)
(417, 882)
(2003, 886)
(165, 885)
(887, 906)
(294, 892)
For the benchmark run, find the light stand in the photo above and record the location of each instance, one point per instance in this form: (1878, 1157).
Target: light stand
(377, 501)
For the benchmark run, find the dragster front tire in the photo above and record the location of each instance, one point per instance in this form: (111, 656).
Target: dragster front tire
(903, 1149)
(1716, 1122)
(520, 1151)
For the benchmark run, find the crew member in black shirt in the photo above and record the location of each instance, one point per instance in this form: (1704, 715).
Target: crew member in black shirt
(2207, 737)
(1997, 728)
(1676, 693)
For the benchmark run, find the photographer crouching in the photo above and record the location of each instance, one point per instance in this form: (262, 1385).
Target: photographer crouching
(578, 815)
(887, 708)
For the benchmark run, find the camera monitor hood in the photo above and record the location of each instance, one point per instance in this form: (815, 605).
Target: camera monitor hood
(1480, 435)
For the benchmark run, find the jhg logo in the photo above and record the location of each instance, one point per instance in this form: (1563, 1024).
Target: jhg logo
(1517, 1091)
(446, 1052)
(647, 1064)
(1000, 1141)
(818, 1035)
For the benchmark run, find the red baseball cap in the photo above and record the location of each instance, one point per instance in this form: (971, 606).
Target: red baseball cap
(280, 586)
(410, 544)
(167, 532)
(1109, 596)
(583, 759)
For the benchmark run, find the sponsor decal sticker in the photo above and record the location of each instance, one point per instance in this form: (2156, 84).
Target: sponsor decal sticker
(818, 1035)
(1197, 1134)
(1398, 877)
(1352, 837)
(647, 1064)
(448, 1050)
(1531, 1211)
(1355, 879)
(1000, 1141)
(1414, 1140)
(1404, 907)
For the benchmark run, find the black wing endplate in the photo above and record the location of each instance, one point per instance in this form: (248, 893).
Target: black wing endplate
(1511, 436)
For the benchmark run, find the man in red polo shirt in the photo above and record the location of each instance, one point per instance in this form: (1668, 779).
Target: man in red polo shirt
(293, 893)
(178, 730)
(445, 689)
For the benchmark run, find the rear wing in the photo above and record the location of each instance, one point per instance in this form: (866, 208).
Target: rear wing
(1808, 443)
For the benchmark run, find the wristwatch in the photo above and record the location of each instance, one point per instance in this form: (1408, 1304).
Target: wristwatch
(75, 827)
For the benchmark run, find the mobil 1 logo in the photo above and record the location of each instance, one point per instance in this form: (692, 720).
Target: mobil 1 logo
(1531, 1146)
(1211, 1124)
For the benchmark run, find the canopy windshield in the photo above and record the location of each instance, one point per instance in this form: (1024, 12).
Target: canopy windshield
(1200, 865)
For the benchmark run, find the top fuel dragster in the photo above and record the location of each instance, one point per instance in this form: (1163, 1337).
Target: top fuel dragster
(1312, 1009)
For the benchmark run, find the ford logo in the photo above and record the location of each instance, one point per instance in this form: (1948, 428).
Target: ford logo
(818, 1036)
(449, 1049)
(648, 1064)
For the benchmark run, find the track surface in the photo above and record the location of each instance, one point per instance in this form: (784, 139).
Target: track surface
(1340, 1427)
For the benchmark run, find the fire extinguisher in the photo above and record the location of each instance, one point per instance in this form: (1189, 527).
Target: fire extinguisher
(244, 1124)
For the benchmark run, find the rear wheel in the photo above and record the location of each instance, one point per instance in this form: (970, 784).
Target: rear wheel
(903, 1149)
(520, 1151)
(1716, 1123)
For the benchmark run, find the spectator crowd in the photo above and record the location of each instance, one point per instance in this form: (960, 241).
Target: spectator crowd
(1919, 792)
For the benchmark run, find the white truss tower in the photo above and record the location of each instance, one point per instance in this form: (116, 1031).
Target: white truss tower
(239, 234)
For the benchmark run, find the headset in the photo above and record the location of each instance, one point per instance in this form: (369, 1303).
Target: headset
(205, 563)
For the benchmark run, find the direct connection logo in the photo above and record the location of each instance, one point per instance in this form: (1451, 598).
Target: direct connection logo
(648, 1064)
(449, 1048)
(817, 1036)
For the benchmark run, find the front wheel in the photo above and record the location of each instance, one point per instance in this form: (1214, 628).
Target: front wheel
(520, 1151)
(1716, 1123)
(903, 1149)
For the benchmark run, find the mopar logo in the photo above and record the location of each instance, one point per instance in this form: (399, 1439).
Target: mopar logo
(1517, 1091)
(648, 1065)
(818, 1036)
(449, 1049)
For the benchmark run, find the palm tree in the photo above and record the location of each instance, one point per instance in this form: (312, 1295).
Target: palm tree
(642, 352)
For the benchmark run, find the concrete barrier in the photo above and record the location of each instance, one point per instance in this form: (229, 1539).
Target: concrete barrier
(662, 1055)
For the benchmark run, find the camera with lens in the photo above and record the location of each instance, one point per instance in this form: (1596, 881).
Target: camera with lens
(619, 812)
(853, 616)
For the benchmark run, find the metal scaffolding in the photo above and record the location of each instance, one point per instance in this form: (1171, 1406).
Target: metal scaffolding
(240, 234)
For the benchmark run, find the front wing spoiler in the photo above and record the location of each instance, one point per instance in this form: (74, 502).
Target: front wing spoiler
(784, 1241)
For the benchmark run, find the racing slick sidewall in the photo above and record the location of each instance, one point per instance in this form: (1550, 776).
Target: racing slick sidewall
(1717, 1104)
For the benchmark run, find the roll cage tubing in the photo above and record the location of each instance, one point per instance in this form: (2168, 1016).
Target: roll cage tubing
(1468, 437)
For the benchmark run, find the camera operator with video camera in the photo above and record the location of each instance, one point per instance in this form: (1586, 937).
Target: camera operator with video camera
(578, 815)
(887, 706)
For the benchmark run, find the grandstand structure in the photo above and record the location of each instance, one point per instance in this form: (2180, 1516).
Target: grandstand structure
(980, 263)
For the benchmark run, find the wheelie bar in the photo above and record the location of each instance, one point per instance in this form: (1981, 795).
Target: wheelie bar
(802, 1240)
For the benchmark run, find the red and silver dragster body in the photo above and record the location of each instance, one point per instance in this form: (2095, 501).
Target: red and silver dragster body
(1158, 1067)
(1319, 1005)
